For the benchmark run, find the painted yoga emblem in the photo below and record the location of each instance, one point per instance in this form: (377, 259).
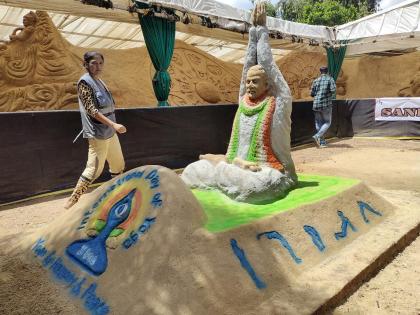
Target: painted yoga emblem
(120, 216)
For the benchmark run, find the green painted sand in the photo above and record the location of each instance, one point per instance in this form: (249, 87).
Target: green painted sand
(224, 214)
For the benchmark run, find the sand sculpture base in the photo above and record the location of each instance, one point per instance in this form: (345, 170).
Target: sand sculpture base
(160, 256)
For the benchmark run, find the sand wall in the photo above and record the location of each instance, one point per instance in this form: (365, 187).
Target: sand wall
(40, 73)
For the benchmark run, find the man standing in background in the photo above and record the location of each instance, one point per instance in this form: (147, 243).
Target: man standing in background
(323, 91)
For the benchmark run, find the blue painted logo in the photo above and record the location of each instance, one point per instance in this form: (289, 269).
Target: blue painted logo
(90, 254)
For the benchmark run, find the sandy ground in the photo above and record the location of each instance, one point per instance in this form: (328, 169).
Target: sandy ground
(390, 167)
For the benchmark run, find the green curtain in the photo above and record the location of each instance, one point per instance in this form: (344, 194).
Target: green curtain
(159, 36)
(335, 58)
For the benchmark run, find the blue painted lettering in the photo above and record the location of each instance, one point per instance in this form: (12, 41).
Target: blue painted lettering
(146, 224)
(127, 243)
(77, 287)
(152, 174)
(94, 304)
(156, 200)
(39, 248)
(61, 273)
(135, 236)
(153, 177)
(49, 259)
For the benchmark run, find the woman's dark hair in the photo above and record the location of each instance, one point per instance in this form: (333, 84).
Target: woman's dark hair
(88, 56)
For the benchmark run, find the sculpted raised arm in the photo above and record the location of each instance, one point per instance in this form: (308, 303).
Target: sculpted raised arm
(278, 84)
(250, 59)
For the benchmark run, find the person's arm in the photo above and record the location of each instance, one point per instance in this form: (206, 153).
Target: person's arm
(333, 88)
(86, 96)
(314, 88)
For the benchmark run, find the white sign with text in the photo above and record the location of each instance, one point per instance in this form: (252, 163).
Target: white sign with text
(398, 108)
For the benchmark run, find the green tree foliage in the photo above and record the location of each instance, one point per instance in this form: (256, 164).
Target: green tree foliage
(326, 12)
(270, 9)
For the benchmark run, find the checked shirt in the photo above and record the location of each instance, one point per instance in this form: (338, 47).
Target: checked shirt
(323, 91)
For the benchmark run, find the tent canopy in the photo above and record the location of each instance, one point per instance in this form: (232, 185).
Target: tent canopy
(93, 27)
(395, 28)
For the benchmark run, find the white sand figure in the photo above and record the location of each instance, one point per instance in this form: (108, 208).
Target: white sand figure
(257, 166)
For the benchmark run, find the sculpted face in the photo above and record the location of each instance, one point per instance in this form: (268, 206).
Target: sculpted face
(256, 82)
(29, 19)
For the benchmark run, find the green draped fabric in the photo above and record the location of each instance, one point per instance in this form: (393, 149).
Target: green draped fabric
(159, 36)
(335, 58)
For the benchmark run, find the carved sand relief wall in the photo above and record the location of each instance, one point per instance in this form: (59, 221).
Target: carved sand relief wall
(300, 69)
(413, 88)
(198, 78)
(39, 71)
(371, 76)
(36, 69)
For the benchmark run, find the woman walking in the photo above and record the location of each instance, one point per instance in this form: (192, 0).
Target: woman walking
(99, 126)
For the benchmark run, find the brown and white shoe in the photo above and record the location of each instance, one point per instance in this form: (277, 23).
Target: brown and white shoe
(81, 187)
(70, 203)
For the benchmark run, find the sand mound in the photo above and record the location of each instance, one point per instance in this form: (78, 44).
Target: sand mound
(158, 258)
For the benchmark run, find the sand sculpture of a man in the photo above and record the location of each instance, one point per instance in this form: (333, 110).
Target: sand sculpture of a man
(257, 166)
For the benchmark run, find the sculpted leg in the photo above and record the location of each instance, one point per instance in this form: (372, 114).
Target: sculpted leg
(200, 174)
(213, 158)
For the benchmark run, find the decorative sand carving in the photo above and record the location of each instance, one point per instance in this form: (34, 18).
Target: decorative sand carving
(413, 89)
(39, 73)
(198, 78)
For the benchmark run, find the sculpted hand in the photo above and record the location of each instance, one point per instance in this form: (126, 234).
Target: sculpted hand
(16, 30)
(246, 165)
(254, 15)
(119, 128)
(259, 16)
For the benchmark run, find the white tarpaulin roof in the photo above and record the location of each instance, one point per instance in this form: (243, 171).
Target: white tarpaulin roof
(93, 27)
(394, 28)
(217, 9)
